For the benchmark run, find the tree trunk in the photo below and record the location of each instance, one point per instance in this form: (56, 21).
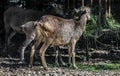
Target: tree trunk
(83, 3)
(106, 7)
(109, 7)
(99, 8)
(91, 3)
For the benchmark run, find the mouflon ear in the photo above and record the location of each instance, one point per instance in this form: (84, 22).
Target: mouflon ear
(77, 10)
(85, 9)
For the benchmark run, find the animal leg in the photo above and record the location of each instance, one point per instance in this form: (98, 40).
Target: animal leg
(42, 52)
(7, 41)
(31, 55)
(73, 53)
(34, 47)
(56, 55)
(69, 52)
(60, 58)
(7, 32)
(10, 37)
(25, 44)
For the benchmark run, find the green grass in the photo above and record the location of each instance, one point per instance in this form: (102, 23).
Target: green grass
(99, 67)
(92, 67)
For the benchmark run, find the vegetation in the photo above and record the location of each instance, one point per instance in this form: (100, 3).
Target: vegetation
(91, 66)
(99, 66)
(111, 22)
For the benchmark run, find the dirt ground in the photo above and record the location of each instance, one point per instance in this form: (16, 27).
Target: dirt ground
(11, 67)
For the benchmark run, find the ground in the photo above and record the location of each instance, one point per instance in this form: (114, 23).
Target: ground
(11, 67)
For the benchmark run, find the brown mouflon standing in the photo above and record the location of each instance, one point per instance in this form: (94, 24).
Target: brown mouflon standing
(59, 32)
